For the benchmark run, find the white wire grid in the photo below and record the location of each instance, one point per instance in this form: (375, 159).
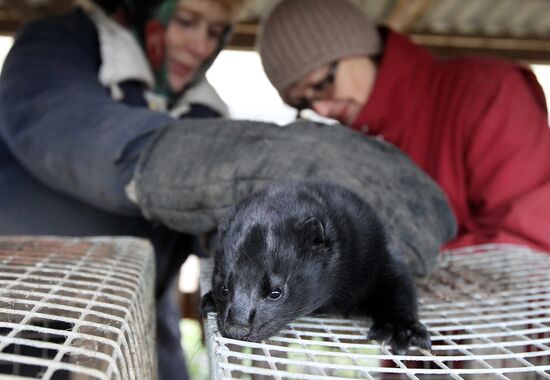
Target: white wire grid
(76, 309)
(487, 309)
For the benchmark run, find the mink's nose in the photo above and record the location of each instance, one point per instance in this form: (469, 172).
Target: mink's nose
(237, 331)
(238, 322)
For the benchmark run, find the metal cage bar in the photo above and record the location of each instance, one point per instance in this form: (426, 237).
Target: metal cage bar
(487, 309)
(76, 308)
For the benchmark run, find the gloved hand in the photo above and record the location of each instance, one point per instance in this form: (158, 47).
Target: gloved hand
(190, 174)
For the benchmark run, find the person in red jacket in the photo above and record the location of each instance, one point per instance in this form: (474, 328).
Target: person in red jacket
(478, 126)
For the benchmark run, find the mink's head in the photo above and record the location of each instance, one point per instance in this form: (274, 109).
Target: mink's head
(273, 263)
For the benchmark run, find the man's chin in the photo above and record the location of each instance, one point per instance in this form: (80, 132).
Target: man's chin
(347, 113)
(351, 116)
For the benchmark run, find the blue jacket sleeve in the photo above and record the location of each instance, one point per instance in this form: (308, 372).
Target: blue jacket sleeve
(61, 124)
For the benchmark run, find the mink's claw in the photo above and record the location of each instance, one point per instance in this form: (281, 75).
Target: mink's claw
(401, 336)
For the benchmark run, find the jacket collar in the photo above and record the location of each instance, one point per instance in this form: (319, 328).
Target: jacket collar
(399, 61)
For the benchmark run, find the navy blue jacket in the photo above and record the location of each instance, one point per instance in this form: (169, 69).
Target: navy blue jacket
(67, 149)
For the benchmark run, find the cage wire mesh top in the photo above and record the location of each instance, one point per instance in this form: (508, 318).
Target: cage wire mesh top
(76, 309)
(487, 309)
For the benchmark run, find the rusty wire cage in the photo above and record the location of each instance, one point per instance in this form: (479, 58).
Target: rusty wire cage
(487, 309)
(76, 309)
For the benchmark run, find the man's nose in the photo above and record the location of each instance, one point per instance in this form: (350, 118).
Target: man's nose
(322, 107)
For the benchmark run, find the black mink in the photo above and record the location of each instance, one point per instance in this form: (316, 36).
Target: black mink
(310, 246)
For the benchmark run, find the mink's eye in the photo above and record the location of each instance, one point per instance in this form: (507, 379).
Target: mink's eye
(275, 294)
(224, 290)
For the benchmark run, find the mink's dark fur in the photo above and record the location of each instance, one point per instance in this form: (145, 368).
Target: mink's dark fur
(310, 246)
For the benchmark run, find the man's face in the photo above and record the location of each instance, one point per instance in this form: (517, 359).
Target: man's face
(337, 90)
(192, 36)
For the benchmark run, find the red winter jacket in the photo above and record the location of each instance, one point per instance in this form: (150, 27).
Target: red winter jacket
(479, 127)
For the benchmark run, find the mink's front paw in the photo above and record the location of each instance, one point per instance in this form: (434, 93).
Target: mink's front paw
(400, 336)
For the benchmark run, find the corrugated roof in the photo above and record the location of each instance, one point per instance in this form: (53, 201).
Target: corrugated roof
(515, 28)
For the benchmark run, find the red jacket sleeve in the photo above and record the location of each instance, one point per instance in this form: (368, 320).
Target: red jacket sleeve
(508, 166)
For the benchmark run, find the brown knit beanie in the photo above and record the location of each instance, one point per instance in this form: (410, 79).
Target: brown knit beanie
(298, 36)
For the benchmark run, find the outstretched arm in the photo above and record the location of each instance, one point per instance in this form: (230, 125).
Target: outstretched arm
(61, 123)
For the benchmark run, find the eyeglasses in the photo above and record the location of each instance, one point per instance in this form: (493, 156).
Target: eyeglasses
(319, 89)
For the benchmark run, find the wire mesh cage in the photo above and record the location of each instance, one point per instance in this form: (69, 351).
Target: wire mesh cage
(487, 309)
(76, 309)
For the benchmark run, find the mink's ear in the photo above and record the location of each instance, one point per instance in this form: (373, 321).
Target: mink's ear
(314, 231)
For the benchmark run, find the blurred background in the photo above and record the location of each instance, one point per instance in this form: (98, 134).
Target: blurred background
(514, 29)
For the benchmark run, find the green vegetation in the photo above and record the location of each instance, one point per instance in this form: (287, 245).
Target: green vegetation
(195, 352)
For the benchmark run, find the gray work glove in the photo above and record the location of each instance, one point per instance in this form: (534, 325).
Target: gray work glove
(189, 175)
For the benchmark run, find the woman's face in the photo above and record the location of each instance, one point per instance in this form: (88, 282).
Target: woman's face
(192, 36)
(338, 90)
